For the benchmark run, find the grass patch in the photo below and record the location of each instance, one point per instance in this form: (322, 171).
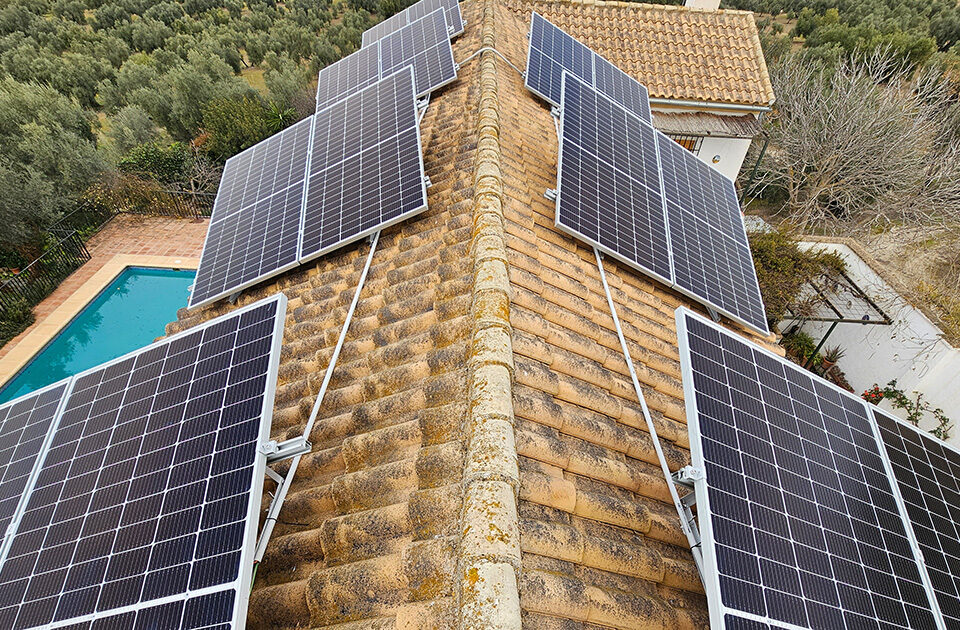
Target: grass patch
(254, 76)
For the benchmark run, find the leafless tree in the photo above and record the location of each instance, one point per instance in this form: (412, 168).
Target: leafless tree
(861, 144)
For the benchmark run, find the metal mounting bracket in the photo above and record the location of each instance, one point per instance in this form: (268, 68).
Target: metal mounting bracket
(555, 111)
(688, 476)
(279, 451)
(551, 194)
(714, 315)
(426, 181)
(233, 297)
(422, 103)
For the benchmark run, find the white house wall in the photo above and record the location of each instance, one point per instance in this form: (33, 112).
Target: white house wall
(731, 152)
(911, 350)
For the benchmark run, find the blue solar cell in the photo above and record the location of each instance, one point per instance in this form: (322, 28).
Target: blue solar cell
(622, 88)
(423, 43)
(609, 186)
(711, 255)
(24, 424)
(254, 228)
(551, 52)
(637, 195)
(927, 472)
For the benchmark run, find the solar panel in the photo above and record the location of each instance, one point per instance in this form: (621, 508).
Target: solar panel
(24, 424)
(354, 72)
(411, 14)
(424, 43)
(551, 52)
(927, 472)
(799, 521)
(254, 227)
(622, 88)
(609, 183)
(144, 510)
(711, 255)
(631, 192)
(366, 166)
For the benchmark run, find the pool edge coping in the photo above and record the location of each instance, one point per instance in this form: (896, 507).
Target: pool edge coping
(37, 339)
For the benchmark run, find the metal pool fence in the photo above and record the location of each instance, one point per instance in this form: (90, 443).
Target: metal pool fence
(37, 280)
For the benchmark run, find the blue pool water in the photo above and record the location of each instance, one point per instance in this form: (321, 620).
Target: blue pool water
(130, 313)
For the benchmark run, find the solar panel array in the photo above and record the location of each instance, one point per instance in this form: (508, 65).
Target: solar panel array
(637, 195)
(253, 231)
(143, 508)
(24, 424)
(927, 472)
(423, 43)
(552, 52)
(361, 152)
(413, 13)
(801, 524)
(366, 166)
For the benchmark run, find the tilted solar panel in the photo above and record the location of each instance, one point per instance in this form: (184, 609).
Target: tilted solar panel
(927, 472)
(633, 193)
(622, 88)
(552, 51)
(366, 166)
(144, 511)
(609, 184)
(24, 424)
(415, 12)
(712, 262)
(423, 43)
(253, 231)
(354, 72)
(799, 520)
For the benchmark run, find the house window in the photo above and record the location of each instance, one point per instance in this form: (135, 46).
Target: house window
(690, 143)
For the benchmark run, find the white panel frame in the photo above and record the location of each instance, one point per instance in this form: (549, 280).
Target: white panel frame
(709, 572)
(242, 584)
(6, 538)
(902, 505)
(303, 259)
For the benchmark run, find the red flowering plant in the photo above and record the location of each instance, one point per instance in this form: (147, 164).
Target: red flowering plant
(873, 395)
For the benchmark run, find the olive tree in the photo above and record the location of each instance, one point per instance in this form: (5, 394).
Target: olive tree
(860, 144)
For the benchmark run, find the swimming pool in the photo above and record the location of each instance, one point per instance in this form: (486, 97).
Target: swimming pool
(129, 313)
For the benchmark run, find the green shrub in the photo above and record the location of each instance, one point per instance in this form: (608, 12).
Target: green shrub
(799, 345)
(783, 268)
(14, 320)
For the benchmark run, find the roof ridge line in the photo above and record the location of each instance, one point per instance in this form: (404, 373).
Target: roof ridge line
(488, 550)
(624, 4)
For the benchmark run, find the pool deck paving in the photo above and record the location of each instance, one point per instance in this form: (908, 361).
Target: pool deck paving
(127, 240)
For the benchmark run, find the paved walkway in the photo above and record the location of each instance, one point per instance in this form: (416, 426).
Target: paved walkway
(124, 234)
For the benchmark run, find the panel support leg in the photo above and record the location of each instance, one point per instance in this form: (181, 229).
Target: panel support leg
(684, 513)
(298, 447)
